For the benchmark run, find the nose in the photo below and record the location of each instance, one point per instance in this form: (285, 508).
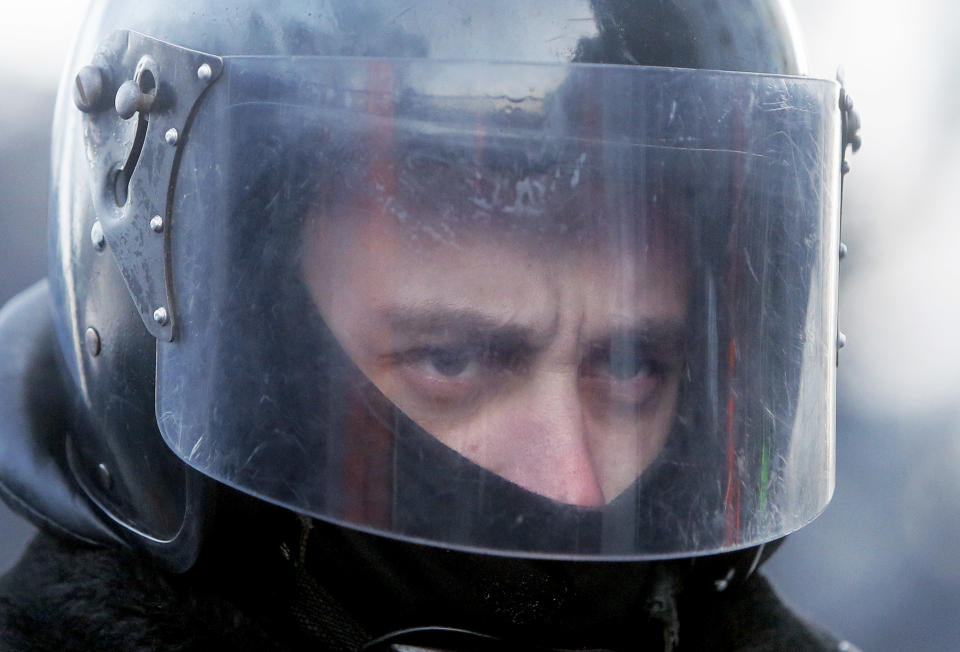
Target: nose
(543, 444)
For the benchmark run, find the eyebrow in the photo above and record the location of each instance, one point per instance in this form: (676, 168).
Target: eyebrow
(463, 323)
(668, 335)
(664, 335)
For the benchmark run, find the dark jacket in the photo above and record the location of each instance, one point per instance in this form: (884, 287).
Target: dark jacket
(64, 595)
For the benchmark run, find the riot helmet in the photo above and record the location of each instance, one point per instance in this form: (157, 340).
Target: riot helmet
(537, 279)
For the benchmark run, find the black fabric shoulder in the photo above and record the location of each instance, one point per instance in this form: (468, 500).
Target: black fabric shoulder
(67, 596)
(751, 617)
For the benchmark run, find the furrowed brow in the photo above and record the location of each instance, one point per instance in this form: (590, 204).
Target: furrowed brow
(460, 323)
(666, 335)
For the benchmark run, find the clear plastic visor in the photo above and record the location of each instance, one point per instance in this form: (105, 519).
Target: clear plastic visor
(547, 310)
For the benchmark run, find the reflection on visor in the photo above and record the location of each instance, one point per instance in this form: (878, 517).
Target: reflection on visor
(592, 321)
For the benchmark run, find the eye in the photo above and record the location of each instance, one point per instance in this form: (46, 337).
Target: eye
(624, 373)
(459, 372)
(626, 367)
(621, 361)
(450, 363)
(449, 375)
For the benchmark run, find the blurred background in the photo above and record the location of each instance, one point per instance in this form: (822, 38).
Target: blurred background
(882, 566)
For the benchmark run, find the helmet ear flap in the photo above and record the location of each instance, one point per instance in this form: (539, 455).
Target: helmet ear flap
(35, 479)
(111, 444)
(72, 479)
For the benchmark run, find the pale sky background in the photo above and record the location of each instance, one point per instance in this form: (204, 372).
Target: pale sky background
(881, 566)
(35, 37)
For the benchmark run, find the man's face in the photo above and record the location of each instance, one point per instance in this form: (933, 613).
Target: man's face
(555, 366)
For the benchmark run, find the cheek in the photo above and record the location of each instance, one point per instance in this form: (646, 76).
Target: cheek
(609, 398)
(624, 444)
(635, 428)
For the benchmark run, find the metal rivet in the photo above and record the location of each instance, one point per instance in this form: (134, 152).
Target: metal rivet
(204, 72)
(156, 224)
(88, 88)
(843, 251)
(92, 338)
(172, 136)
(104, 477)
(841, 340)
(96, 236)
(160, 316)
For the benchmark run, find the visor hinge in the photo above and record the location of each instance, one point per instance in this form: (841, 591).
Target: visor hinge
(850, 125)
(849, 138)
(133, 149)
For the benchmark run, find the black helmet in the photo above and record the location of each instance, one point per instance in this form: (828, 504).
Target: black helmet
(540, 279)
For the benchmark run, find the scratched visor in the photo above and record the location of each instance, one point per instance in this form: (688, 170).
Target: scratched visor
(569, 311)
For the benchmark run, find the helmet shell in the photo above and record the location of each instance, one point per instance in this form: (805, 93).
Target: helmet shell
(115, 449)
